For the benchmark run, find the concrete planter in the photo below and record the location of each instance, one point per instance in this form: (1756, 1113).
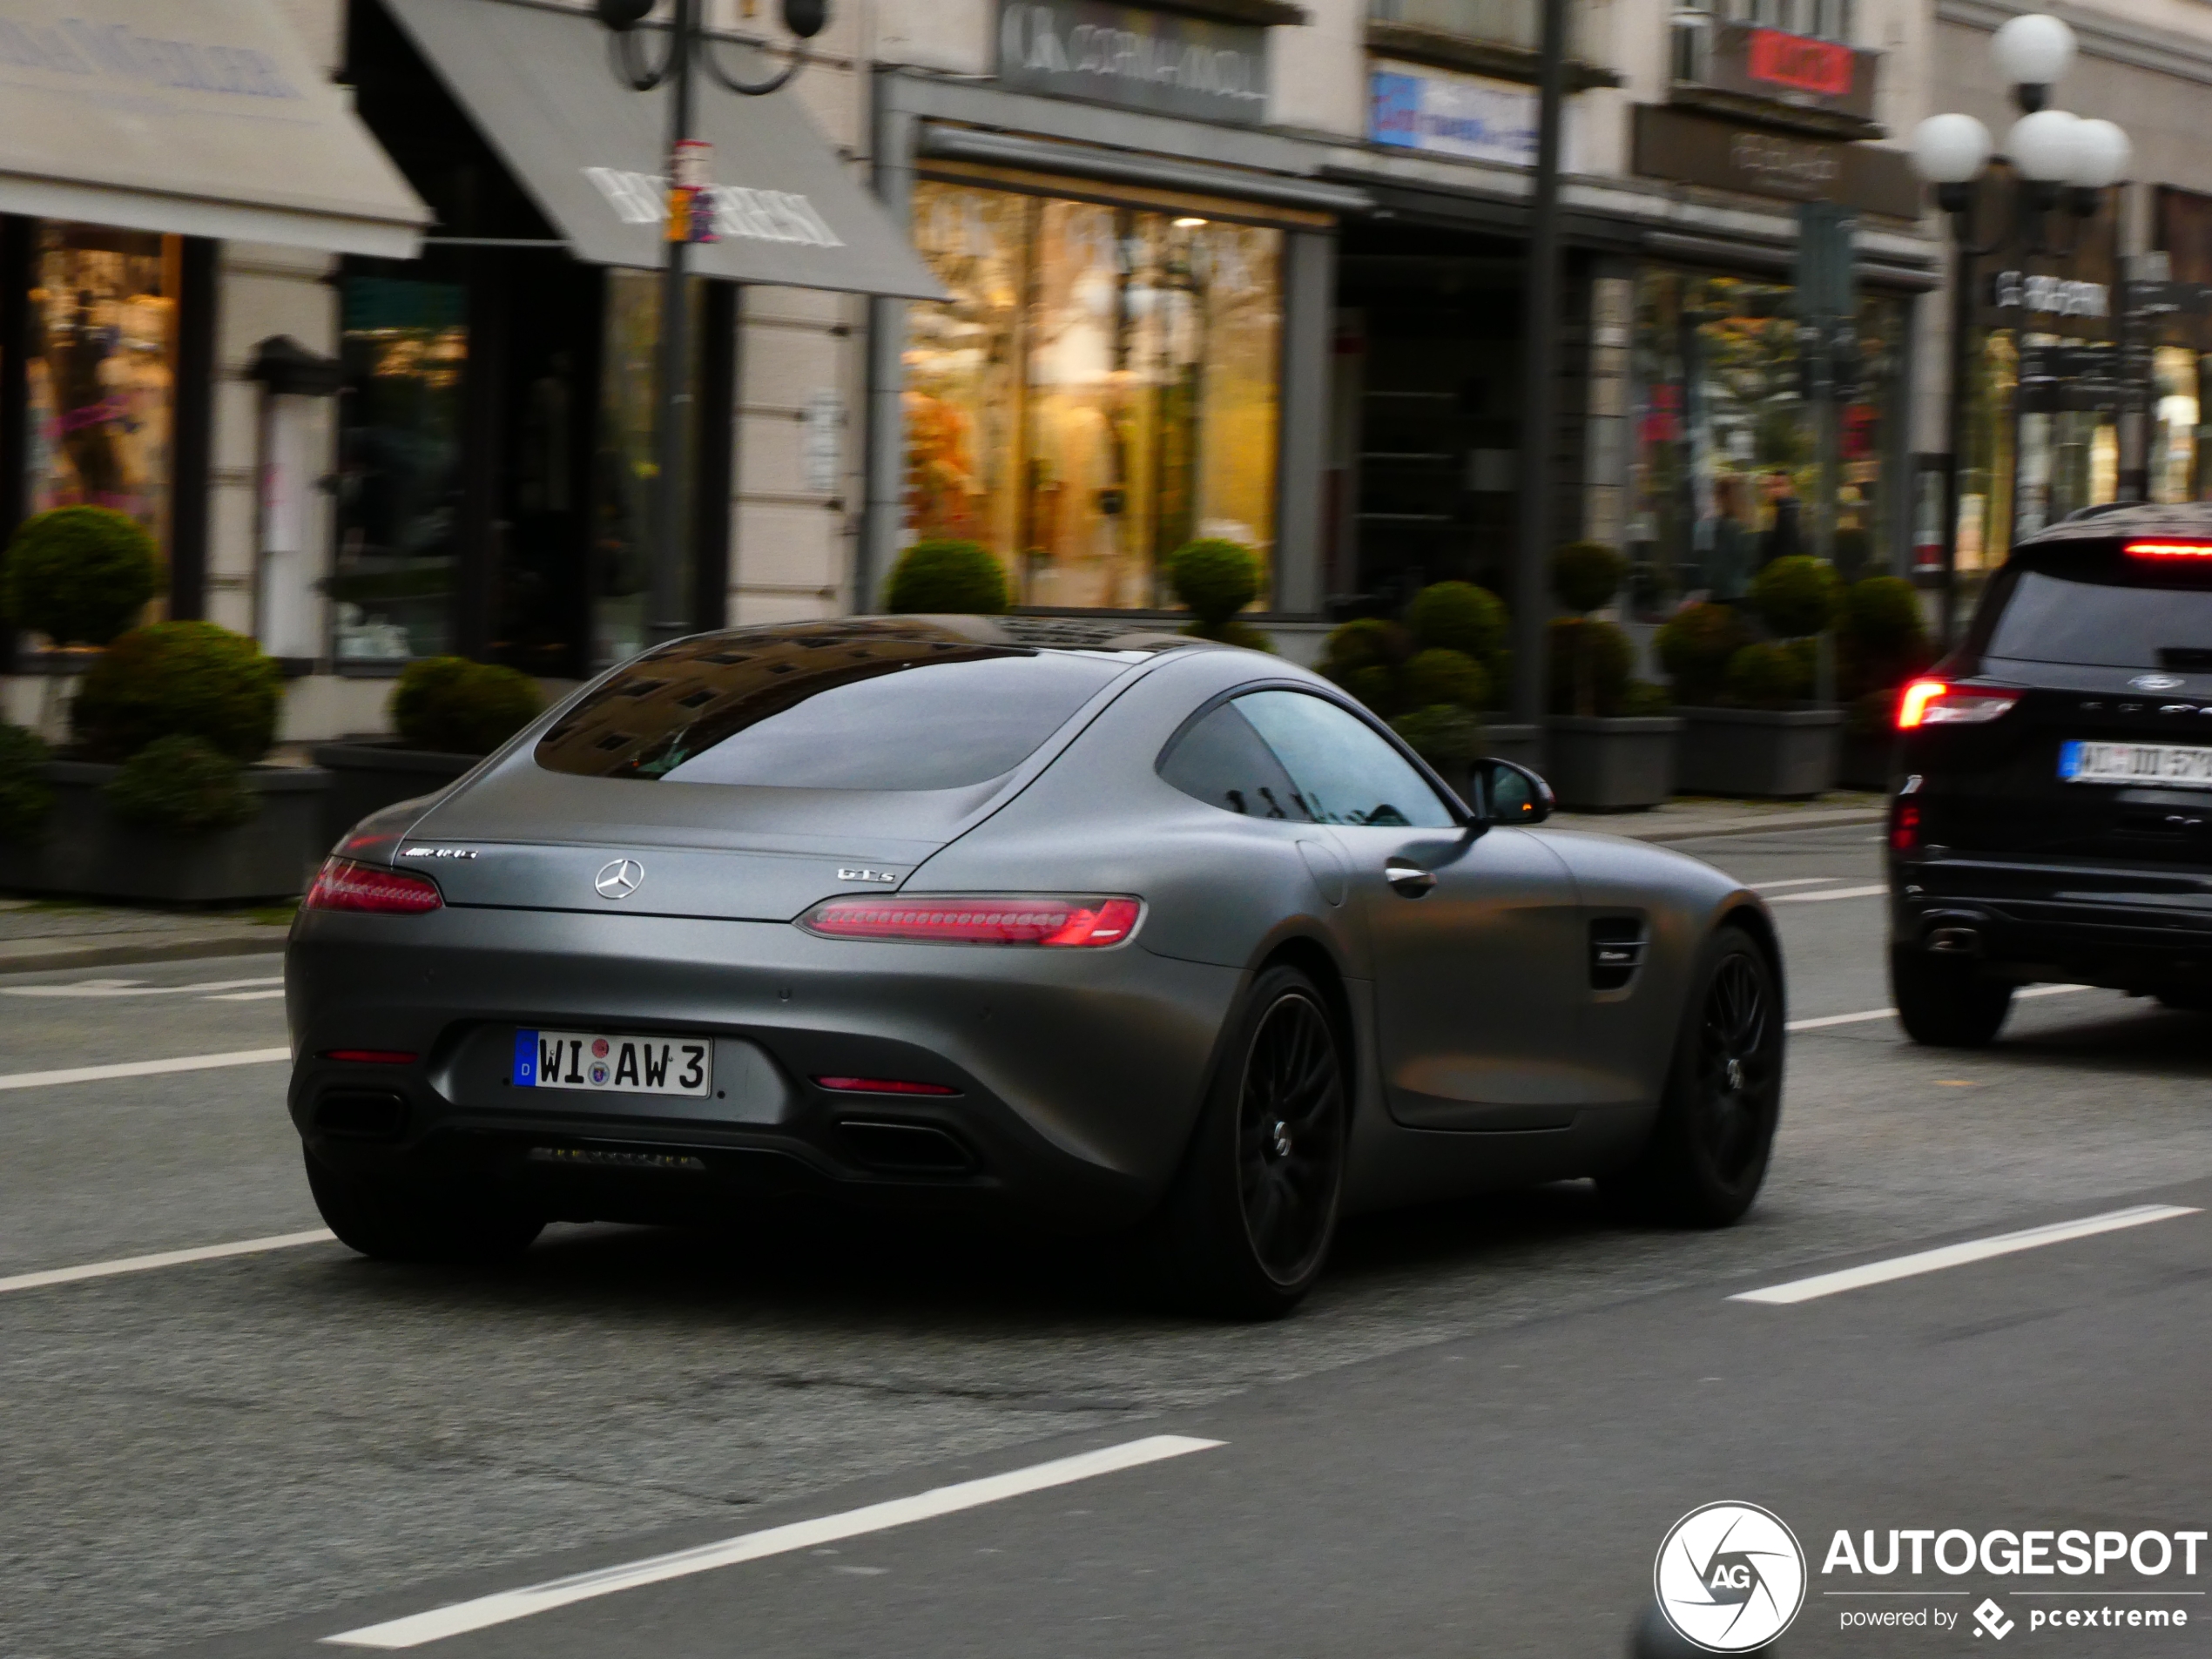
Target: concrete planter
(1621, 764)
(1868, 759)
(1784, 754)
(1522, 744)
(366, 778)
(87, 851)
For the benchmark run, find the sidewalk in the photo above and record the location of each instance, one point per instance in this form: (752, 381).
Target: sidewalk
(44, 935)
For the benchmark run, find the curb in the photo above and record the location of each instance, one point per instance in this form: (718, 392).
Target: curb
(45, 958)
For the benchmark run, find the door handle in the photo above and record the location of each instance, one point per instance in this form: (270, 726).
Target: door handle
(1408, 880)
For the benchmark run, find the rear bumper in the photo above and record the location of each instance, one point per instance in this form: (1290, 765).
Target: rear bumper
(2129, 926)
(1078, 1074)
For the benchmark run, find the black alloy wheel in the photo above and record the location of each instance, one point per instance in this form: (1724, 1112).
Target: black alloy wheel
(1247, 1229)
(1289, 1137)
(1714, 1134)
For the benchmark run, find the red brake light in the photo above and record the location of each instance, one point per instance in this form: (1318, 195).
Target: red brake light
(2169, 549)
(372, 1057)
(343, 885)
(955, 919)
(882, 1086)
(1904, 829)
(1935, 703)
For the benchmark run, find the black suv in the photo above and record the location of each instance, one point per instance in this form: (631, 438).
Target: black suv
(2053, 819)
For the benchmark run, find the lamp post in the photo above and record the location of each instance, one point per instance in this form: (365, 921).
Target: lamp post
(2057, 155)
(1540, 362)
(691, 219)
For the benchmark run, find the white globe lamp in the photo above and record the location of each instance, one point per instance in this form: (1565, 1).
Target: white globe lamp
(2042, 146)
(2101, 152)
(1950, 149)
(2033, 52)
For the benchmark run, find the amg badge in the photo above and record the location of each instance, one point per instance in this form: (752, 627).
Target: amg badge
(887, 877)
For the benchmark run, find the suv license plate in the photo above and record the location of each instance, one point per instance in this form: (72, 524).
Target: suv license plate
(2081, 762)
(611, 1063)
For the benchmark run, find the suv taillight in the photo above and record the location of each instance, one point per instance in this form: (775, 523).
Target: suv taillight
(2169, 549)
(343, 885)
(955, 919)
(1936, 703)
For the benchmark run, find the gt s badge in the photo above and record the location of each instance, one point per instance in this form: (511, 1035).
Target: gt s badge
(888, 878)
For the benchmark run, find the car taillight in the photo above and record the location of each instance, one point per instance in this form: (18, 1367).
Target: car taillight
(883, 1086)
(952, 918)
(1935, 703)
(2169, 549)
(1904, 829)
(343, 885)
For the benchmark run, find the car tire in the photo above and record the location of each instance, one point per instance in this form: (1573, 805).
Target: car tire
(1709, 1146)
(1247, 1231)
(393, 1221)
(1944, 1002)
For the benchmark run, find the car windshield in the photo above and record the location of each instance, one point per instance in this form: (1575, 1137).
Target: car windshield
(2048, 619)
(863, 704)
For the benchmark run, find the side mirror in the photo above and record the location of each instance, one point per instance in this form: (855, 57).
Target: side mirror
(1509, 793)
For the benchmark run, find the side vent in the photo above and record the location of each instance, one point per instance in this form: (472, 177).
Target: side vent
(1616, 951)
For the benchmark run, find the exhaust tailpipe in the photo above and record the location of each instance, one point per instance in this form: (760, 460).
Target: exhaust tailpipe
(1955, 942)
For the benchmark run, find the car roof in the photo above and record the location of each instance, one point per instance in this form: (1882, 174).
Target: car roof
(2116, 521)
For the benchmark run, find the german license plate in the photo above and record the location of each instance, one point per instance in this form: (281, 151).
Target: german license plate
(613, 1063)
(2082, 762)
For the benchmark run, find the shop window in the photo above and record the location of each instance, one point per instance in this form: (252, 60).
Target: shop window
(1728, 471)
(405, 346)
(2173, 430)
(101, 372)
(1101, 389)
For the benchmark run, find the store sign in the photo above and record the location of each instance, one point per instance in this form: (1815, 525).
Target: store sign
(91, 50)
(1798, 70)
(1694, 149)
(1453, 115)
(2050, 296)
(753, 215)
(1141, 59)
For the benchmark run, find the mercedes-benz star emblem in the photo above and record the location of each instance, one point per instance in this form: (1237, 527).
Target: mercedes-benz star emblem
(620, 879)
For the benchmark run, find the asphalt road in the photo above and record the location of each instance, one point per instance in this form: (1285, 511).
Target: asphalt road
(1470, 1441)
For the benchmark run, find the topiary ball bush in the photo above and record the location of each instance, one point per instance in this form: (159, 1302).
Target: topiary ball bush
(1767, 676)
(1447, 736)
(1589, 664)
(182, 786)
(947, 579)
(1456, 616)
(1797, 596)
(1375, 684)
(1449, 677)
(25, 799)
(1586, 576)
(456, 706)
(1881, 615)
(79, 575)
(1365, 642)
(1642, 698)
(1215, 578)
(178, 679)
(1695, 648)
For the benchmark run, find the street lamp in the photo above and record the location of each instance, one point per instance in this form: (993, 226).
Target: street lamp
(2056, 155)
(691, 219)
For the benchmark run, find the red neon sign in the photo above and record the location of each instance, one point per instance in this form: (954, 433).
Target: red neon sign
(1817, 66)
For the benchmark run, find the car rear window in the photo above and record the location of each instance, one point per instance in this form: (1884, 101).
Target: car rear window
(865, 706)
(2052, 619)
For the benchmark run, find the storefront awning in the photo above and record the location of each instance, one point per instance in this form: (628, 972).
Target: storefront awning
(538, 83)
(202, 118)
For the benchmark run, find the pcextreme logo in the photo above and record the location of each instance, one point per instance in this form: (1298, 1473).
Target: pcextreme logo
(1730, 1577)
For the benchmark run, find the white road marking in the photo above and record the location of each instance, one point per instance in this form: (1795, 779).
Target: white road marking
(84, 987)
(1819, 1021)
(165, 1258)
(1833, 892)
(242, 996)
(144, 1068)
(1978, 1250)
(485, 1611)
(1794, 882)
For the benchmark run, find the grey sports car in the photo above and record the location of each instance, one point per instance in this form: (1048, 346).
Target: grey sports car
(1115, 931)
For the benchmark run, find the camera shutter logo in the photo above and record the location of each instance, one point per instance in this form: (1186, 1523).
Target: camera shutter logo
(1731, 1577)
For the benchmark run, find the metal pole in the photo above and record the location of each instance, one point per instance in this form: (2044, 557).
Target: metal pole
(668, 611)
(1962, 323)
(1532, 608)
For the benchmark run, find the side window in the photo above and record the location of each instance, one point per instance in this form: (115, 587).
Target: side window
(1345, 772)
(1222, 762)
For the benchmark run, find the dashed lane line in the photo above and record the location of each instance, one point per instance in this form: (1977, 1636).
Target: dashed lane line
(144, 1068)
(1977, 1250)
(509, 1605)
(163, 1258)
(1821, 1022)
(1829, 893)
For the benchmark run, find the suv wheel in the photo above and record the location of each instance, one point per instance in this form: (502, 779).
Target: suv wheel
(1944, 1002)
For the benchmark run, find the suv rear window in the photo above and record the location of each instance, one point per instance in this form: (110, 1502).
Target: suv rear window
(2075, 619)
(872, 705)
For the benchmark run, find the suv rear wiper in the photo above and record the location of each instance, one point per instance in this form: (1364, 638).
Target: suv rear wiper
(2196, 657)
